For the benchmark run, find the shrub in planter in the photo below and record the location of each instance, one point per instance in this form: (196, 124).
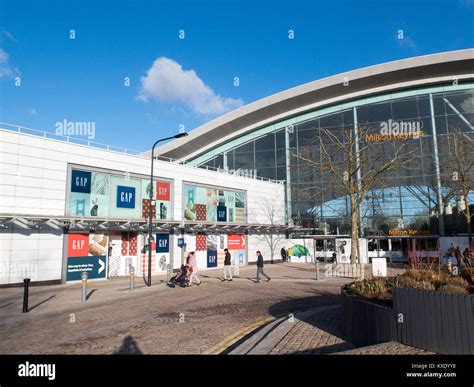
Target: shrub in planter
(380, 288)
(468, 275)
(411, 282)
(454, 289)
(377, 288)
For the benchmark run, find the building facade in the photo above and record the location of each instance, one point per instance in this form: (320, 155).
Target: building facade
(419, 106)
(68, 208)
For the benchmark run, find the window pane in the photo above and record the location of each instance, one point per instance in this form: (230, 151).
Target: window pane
(265, 143)
(265, 159)
(244, 161)
(280, 139)
(405, 109)
(249, 147)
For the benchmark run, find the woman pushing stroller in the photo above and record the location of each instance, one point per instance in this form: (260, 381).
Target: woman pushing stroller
(187, 273)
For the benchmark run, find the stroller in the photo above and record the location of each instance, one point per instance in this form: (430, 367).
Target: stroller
(181, 278)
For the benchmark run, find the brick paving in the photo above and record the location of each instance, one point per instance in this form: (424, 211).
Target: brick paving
(161, 320)
(319, 333)
(390, 348)
(157, 320)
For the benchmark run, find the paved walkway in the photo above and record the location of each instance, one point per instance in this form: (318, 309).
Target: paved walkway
(316, 331)
(158, 319)
(390, 348)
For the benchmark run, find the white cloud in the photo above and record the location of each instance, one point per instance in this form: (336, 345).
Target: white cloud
(10, 36)
(5, 68)
(166, 81)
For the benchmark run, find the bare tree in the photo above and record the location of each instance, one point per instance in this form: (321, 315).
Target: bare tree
(273, 215)
(351, 162)
(458, 170)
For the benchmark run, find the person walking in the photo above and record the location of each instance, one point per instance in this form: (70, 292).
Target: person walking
(260, 267)
(283, 254)
(191, 261)
(227, 266)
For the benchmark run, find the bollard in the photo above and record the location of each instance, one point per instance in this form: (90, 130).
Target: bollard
(168, 272)
(26, 288)
(84, 286)
(132, 278)
(317, 270)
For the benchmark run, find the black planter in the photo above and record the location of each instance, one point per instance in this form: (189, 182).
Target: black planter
(366, 322)
(434, 321)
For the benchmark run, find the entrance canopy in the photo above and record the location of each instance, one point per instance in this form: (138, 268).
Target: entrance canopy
(78, 224)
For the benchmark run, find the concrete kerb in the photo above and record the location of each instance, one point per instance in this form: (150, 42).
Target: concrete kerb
(234, 341)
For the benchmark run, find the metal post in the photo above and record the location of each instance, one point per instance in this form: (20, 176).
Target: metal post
(289, 219)
(317, 270)
(26, 288)
(438, 174)
(132, 278)
(150, 215)
(358, 174)
(150, 212)
(84, 286)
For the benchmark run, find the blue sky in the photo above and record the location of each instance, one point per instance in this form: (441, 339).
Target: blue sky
(189, 81)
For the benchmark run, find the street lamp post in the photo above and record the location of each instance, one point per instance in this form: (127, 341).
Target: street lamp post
(150, 212)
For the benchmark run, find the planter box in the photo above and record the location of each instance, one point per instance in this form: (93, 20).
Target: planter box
(366, 322)
(434, 321)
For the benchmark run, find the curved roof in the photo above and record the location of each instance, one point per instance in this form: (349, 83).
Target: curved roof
(386, 77)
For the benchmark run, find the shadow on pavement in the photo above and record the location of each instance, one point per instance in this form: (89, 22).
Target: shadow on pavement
(327, 350)
(90, 294)
(4, 306)
(327, 321)
(42, 302)
(319, 298)
(129, 347)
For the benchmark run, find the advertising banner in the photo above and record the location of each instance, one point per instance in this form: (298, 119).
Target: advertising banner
(343, 250)
(163, 191)
(212, 204)
(239, 257)
(236, 242)
(211, 258)
(162, 243)
(221, 213)
(86, 253)
(125, 197)
(89, 194)
(124, 191)
(116, 195)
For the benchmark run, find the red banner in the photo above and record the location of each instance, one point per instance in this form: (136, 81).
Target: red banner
(236, 242)
(78, 245)
(163, 191)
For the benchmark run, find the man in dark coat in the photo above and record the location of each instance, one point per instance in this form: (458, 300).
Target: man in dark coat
(227, 266)
(260, 267)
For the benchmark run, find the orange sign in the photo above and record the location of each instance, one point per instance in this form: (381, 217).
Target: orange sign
(162, 190)
(236, 242)
(78, 245)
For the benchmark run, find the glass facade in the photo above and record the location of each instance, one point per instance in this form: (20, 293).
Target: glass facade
(405, 197)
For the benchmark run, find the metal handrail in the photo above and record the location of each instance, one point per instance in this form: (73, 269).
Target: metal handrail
(112, 148)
